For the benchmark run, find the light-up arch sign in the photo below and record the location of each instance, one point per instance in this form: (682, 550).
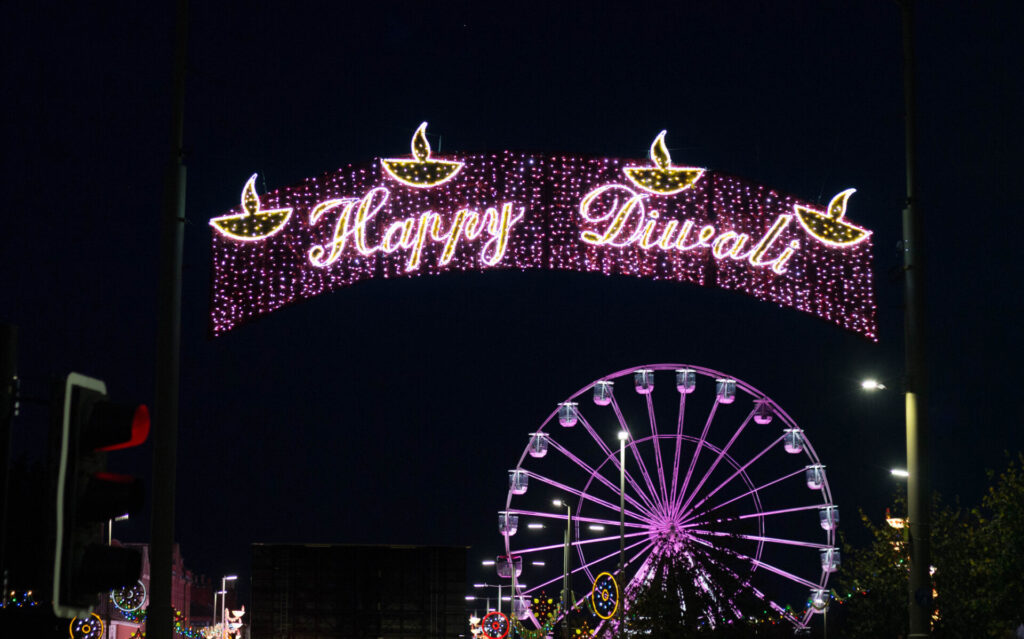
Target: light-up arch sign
(423, 215)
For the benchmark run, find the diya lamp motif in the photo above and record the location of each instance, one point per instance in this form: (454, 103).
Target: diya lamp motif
(662, 178)
(829, 227)
(421, 171)
(252, 224)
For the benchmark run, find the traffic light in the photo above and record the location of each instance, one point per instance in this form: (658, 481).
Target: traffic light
(88, 495)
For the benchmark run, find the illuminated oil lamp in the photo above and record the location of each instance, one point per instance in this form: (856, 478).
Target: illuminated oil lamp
(662, 178)
(830, 228)
(252, 224)
(421, 172)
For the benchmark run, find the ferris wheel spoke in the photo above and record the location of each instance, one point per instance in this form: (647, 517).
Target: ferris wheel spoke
(656, 441)
(737, 497)
(636, 454)
(589, 520)
(538, 587)
(583, 495)
(598, 476)
(679, 446)
(577, 543)
(745, 585)
(696, 454)
(771, 540)
(718, 460)
(739, 471)
(757, 515)
(611, 455)
(757, 563)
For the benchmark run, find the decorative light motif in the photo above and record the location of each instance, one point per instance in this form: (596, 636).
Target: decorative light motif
(421, 172)
(830, 228)
(604, 596)
(252, 223)
(662, 178)
(495, 625)
(90, 627)
(531, 211)
(181, 628)
(129, 598)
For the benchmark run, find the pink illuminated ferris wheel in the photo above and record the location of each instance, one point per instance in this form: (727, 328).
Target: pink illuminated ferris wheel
(718, 483)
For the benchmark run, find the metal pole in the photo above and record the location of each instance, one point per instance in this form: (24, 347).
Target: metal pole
(566, 604)
(223, 608)
(160, 624)
(918, 458)
(622, 532)
(8, 408)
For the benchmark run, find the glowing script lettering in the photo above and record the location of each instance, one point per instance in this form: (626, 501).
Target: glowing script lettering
(355, 217)
(622, 219)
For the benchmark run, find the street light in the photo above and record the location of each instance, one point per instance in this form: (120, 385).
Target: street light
(213, 624)
(565, 566)
(498, 586)
(899, 472)
(110, 527)
(223, 604)
(623, 436)
(871, 384)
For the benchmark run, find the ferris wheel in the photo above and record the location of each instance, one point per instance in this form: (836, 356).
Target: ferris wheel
(707, 473)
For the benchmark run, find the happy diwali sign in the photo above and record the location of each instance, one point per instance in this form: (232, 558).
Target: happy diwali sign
(424, 215)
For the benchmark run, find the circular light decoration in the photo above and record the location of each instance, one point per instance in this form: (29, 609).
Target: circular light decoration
(605, 596)
(495, 625)
(129, 598)
(90, 627)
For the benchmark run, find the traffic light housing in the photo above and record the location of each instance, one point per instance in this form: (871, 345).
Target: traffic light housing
(88, 495)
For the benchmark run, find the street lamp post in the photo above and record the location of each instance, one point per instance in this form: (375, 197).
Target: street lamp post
(566, 604)
(223, 604)
(623, 436)
(498, 586)
(213, 623)
(110, 527)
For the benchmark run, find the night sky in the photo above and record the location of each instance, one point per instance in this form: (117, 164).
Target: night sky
(389, 412)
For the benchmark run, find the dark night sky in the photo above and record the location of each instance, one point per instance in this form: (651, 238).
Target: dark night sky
(350, 418)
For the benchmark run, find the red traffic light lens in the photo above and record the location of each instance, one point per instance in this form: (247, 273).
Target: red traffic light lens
(140, 429)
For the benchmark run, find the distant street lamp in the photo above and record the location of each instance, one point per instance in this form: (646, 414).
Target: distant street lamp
(899, 472)
(566, 604)
(223, 604)
(213, 623)
(623, 436)
(872, 385)
(110, 527)
(498, 586)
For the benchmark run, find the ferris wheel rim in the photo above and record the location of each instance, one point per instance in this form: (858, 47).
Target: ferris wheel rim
(656, 438)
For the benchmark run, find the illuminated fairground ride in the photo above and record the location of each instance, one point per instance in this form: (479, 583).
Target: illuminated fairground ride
(719, 482)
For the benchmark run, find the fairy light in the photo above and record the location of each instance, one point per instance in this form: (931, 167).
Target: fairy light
(537, 211)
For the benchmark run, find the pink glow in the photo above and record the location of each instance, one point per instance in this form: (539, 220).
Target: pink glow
(532, 211)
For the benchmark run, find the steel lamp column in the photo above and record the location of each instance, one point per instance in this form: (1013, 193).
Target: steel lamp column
(623, 436)
(223, 604)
